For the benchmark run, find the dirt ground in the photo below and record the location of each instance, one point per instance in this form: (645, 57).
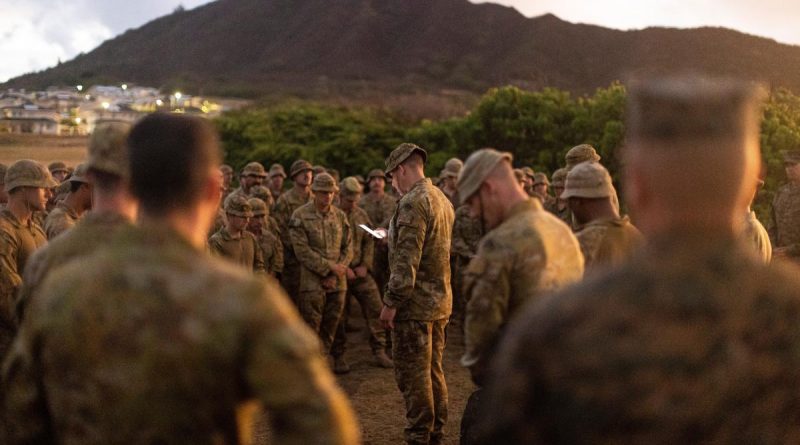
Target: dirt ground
(45, 149)
(376, 399)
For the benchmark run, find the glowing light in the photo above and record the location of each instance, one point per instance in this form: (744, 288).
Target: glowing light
(105, 105)
(78, 120)
(87, 97)
(159, 102)
(178, 95)
(124, 86)
(79, 87)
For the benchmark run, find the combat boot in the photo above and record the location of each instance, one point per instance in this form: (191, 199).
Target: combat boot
(340, 365)
(382, 360)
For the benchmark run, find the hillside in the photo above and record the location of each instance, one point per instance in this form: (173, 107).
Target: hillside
(316, 48)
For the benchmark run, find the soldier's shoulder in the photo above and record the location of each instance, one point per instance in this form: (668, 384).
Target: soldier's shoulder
(304, 211)
(359, 215)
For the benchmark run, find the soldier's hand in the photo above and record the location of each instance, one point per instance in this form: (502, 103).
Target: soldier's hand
(360, 271)
(351, 275)
(329, 282)
(387, 317)
(339, 269)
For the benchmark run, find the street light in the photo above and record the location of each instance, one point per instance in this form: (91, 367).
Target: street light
(178, 95)
(159, 102)
(78, 120)
(124, 86)
(105, 105)
(79, 87)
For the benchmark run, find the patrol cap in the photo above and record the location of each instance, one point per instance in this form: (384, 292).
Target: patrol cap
(791, 157)
(258, 207)
(559, 177)
(276, 170)
(225, 168)
(79, 175)
(108, 148)
(477, 168)
(254, 169)
(261, 193)
(324, 182)
(238, 206)
(28, 173)
(351, 186)
(588, 180)
(299, 166)
(3, 169)
(376, 173)
(452, 168)
(317, 169)
(360, 179)
(540, 178)
(401, 153)
(581, 153)
(528, 172)
(57, 166)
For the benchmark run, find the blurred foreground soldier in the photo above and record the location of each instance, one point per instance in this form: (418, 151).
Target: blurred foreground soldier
(59, 171)
(168, 323)
(755, 233)
(695, 340)
(28, 184)
(3, 192)
(448, 176)
(114, 209)
(271, 246)
(360, 284)
(297, 196)
(418, 299)
(379, 206)
(526, 253)
(786, 211)
(320, 236)
(233, 241)
(540, 186)
(252, 175)
(606, 239)
(276, 177)
(67, 212)
(558, 206)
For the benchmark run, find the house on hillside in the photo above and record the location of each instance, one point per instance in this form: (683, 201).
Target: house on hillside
(29, 119)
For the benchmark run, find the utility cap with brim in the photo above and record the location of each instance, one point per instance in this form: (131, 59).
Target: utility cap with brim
(791, 157)
(258, 206)
(452, 168)
(225, 168)
(528, 172)
(581, 153)
(57, 166)
(299, 166)
(261, 193)
(401, 153)
(477, 168)
(108, 149)
(276, 170)
(254, 169)
(376, 173)
(351, 186)
(324, 182)
(559, 177)
(540, 178)
(317, 169)
(79, 175)
(28, 173)
(588, 180)
(238, 206)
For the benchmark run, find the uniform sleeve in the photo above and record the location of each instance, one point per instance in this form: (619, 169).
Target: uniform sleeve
(215, 247)
(31, 279)
(56, 225)
(367, 252)
(411, 229)
(10, 280)
(345, 250)
(487, 289)
(459, 244)
(286, 372)
(302, 249)
(278, 255)
(258, 256)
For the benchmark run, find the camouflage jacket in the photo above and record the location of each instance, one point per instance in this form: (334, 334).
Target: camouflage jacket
(467, 232)
(363, 245)
(91, 232)
(283, 211)
(564, 214)
(271, 251)
(528, 255)
(17, 244)
(756, 235)
(59, 220)
(319, 240)
(694, 340)
(242, 249)
(785, 229)
(608, 243)
(238, 191)
(380, 211)
(419, 255)
(151, 318)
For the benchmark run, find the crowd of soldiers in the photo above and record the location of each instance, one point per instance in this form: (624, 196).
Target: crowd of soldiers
(145, 300)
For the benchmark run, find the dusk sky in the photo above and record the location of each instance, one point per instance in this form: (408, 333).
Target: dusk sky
(35, 34)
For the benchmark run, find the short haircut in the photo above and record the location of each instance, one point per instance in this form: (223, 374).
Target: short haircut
(105, 181)
(415, 159)
(171, 156)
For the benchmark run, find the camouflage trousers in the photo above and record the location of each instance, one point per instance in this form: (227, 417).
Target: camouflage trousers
(380, 266)
(418, 347)
(365, 291)
(321, 311)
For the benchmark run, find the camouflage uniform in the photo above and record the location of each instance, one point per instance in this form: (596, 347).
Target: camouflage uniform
(243, 248)
(380, 212)
(467, 232)
(149, 340)
(757, 236)
(284, 208)
(419, 289)
(564, 214)
(608, 243)
(60, 219)
(785, 229)
(320, 240)
(270, 243)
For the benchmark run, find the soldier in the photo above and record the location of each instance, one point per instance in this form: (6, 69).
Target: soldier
(3, 192)
(265, 195)
(269, 241)
(276, 177)
(360, 284)
(114, 209)
(418, 299)
(151, 317)
(233, 241)
(528, 178)
(559, 206)
(606, 239)
(755, 233)
(379, 206)
(695, 340)
(585, 153)
(299, 195)
(28, 184)
(467, 232)
(261, 192)
(448, 178)
(253, 174)
(67, 212)
(527, 253)
(227, 178)
(59, 171)
(540, 186)
(785, 229)
(321, 240)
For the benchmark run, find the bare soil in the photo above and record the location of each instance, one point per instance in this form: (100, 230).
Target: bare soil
(45, 149)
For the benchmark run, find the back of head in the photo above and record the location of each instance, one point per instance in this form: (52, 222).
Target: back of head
(171, 156)
(692, 147)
